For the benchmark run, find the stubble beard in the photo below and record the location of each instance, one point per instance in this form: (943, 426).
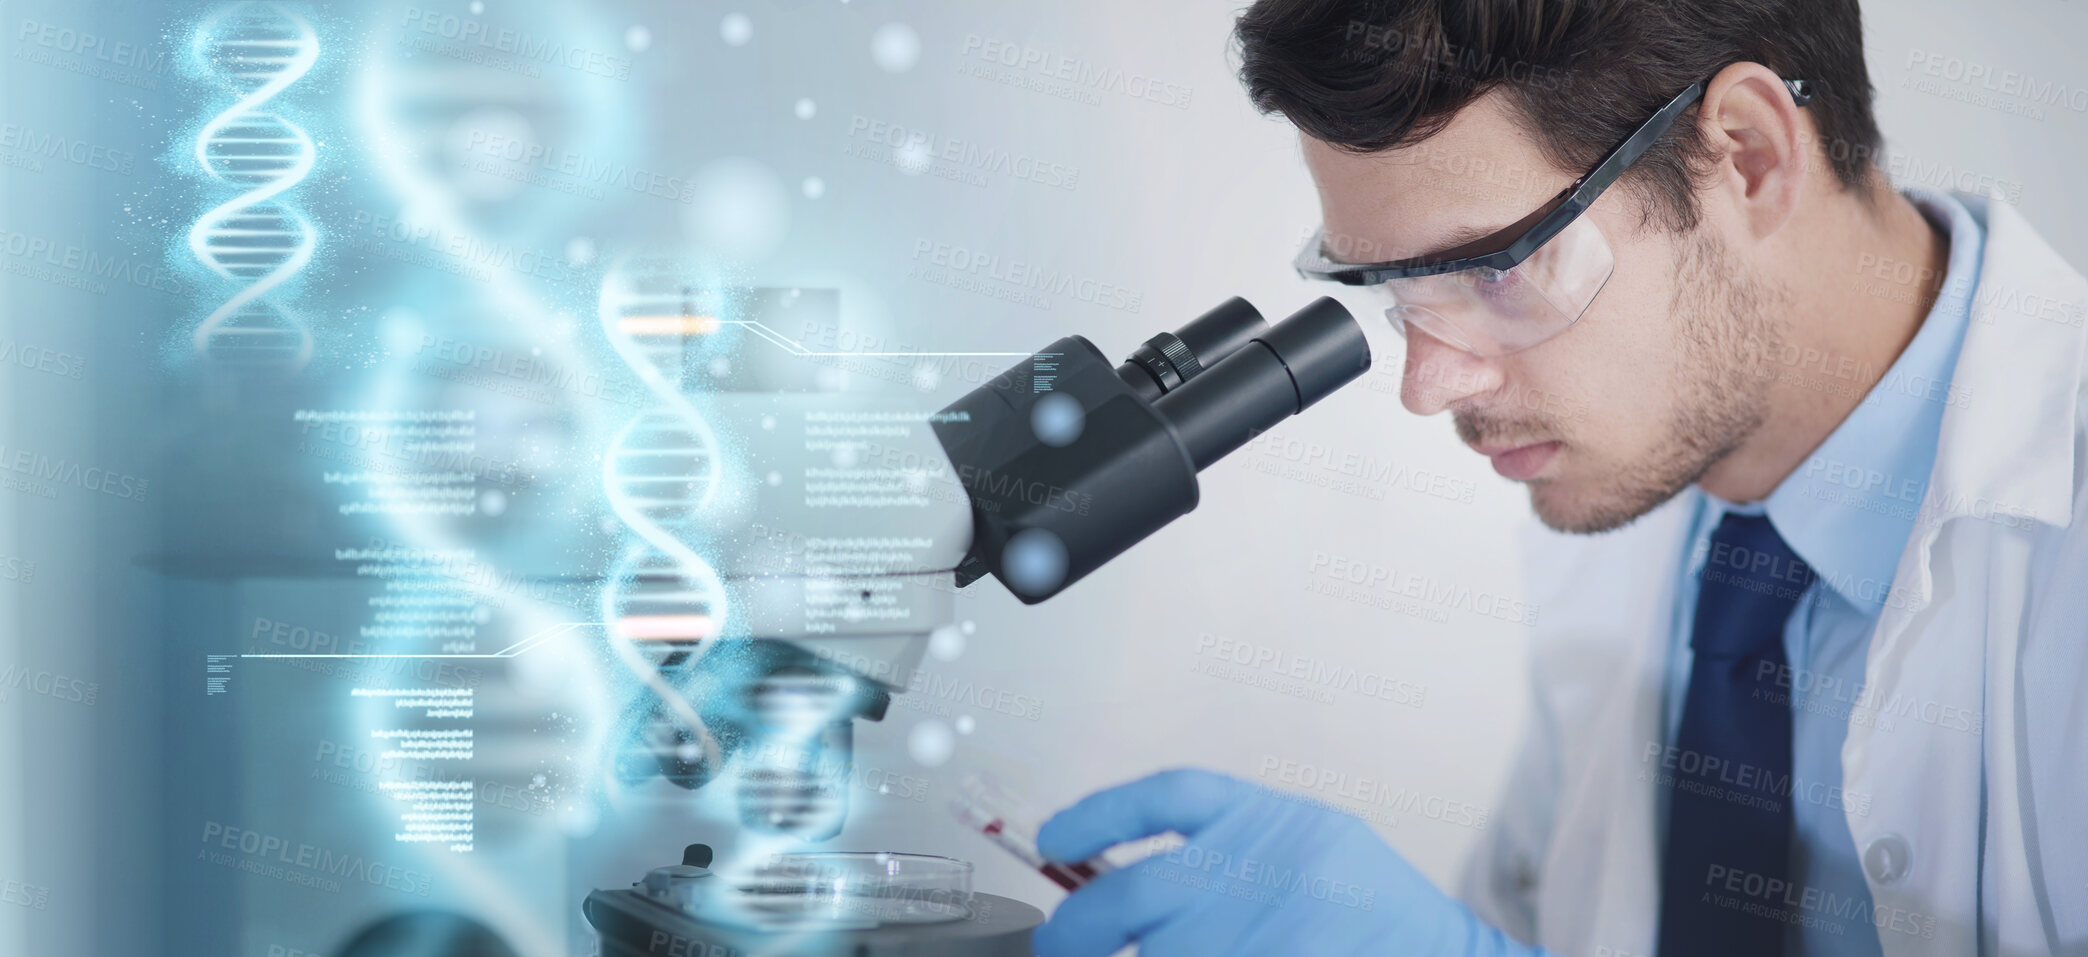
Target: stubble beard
(1724, 321)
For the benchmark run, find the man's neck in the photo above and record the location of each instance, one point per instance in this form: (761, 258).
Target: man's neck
(1861, 288)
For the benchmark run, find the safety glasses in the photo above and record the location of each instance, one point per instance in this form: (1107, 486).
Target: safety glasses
(1517, 287)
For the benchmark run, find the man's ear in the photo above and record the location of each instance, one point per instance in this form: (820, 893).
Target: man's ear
(1752, 125)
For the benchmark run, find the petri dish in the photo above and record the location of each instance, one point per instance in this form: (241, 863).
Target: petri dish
(841, 889)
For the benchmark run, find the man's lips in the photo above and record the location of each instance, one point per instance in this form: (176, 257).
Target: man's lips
(1519, 462)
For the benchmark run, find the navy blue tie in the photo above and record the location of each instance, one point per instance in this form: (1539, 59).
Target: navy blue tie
(1725, 874)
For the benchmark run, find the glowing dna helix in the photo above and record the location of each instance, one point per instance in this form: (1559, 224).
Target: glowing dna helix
(257, 50)
(786, 725)
(797, 778)
(664, 604)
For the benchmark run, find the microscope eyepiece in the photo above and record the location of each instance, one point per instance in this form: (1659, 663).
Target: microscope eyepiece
(1054, 496)
(1166, 361)
(1300, 361)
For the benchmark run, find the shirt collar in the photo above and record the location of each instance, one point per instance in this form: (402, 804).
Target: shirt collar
(1851, 506)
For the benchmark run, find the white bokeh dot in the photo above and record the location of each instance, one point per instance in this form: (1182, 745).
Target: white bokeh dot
(400, 328)
(580, 251)
(931, 743)
(895, 47)
(477, 7)
(741, 209)
(912, 157)
(965, 724)
(638, 38)
(736, 29)
(946, 643)
(814, 187)
(805, 108)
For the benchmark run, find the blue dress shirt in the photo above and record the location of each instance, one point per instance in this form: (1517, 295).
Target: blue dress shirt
(1848, 511)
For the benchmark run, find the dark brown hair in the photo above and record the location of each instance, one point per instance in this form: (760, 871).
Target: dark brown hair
(1368, 75)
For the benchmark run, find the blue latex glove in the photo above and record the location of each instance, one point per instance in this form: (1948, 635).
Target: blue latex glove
(1262, 873)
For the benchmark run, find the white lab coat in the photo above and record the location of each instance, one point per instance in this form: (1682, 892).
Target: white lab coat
(1973, 748)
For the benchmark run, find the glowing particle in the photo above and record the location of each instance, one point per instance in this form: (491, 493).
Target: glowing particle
(931, 743)
(805, 108)
(580, 251)
(741, 209)
(736, 29)
(638, 38)
(912, 157)
(1057, 419)
(895, 47)
(946, 643)
(965, 724)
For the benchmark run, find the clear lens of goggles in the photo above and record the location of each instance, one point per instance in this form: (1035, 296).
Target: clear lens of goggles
(1488, 312)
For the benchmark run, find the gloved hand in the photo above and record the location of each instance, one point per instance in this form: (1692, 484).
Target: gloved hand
(1262, 873)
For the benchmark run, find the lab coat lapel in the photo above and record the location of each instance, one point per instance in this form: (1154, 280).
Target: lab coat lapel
(1940, 675)
(1607, 850)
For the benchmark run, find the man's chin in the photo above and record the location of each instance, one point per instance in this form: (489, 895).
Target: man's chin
(1585, 508)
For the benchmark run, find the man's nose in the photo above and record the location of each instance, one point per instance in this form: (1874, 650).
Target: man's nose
(1439, 374)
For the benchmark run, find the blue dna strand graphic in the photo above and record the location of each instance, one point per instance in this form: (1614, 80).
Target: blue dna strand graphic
(795, 778)
(663, 602)
(257, 50)
(785, 726)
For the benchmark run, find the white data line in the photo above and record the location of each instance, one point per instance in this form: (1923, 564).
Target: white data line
(798, 348)
(510, 651)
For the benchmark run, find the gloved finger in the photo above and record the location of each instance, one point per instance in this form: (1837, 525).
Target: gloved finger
(1109, 914)
(1182, 801)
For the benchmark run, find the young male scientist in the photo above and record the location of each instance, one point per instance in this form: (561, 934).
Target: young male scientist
(1813, 674)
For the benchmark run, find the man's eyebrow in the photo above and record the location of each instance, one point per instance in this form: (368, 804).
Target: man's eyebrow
(1451, 242)
(1461, 237)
